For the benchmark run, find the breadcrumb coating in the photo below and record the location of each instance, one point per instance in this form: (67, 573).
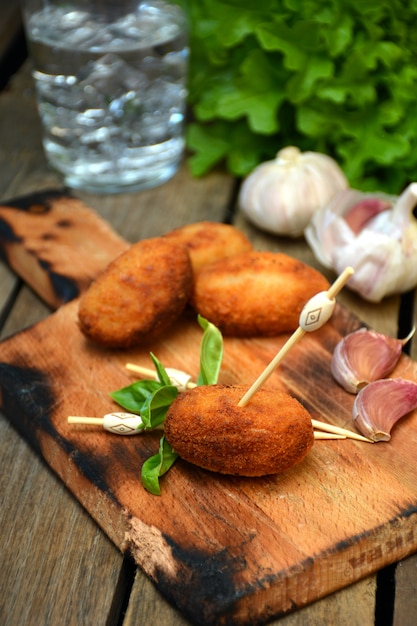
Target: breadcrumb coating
(255, 293)
(139, 295)
(206, 427)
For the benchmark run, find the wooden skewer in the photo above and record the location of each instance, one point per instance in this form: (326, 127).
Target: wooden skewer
(329, 428)
(178, 378)
(326, 431)
(120, 428)
(296, 336)
(138, 369)
(322, 435)
(78, 419)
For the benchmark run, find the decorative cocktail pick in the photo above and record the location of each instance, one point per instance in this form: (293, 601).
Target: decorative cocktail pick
(118, 423)
(316, 312)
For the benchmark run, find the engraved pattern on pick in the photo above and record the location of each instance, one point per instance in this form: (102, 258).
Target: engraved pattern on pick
(121, 428)
(313, 316)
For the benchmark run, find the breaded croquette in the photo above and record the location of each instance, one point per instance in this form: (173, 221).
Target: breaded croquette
(255, 293)
(210, 241)
(140, 294)
(206, 427)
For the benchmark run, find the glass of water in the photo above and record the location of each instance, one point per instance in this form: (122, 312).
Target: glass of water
(110, 78)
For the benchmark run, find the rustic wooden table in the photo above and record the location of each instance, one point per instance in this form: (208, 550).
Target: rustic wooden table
(58, 567)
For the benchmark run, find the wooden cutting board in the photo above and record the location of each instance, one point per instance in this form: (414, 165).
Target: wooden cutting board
(56, 244)
(225, 550)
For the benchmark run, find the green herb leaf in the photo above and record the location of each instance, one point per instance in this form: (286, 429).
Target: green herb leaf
(149, 398)
(155, 408)
(160, 370)
(211, 353)
(157, 465)
(135, 396)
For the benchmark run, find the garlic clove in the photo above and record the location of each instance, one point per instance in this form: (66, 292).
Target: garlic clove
(364, 356)
(381, 248)
(363, 211)
(280, 196)
(379, 406)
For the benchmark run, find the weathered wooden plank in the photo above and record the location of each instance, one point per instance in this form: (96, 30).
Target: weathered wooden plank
(353, 606)
(153, 212)
(55, 536)
(10, 23)
(23, 164)
(8, 282)
(50, 545)
(405, 604)
(148, 606)
(405, 607)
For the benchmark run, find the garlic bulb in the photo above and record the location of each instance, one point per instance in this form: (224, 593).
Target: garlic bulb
(364, 356)
(379, 405)
(280, 196)
(374, 233)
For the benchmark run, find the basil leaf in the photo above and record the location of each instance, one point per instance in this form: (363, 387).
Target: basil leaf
(160, 370)
(211, 353)
(157, 466)
(149, 398)
(134, 396)
(155, 408)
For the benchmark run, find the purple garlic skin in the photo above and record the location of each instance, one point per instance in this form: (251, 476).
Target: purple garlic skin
(364, 356)
(379, 406)
(374, 233)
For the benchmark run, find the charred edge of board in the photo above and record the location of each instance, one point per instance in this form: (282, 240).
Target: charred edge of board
(209, 572)
(40, 202)
(7, 235)
(218, 601)
(65, 289)
(27, 399)
(95, 470)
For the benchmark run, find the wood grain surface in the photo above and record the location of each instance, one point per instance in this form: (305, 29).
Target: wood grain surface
(35, 588)
(40, 233)
(269, 545)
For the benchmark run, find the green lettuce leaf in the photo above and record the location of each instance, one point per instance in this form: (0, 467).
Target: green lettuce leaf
(326, 76)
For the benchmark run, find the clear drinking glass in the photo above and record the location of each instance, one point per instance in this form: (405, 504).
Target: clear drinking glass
(111, 86)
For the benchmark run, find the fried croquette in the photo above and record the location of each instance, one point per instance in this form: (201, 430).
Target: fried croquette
(139, 295)
(255, 293)
(206, 427)
(209, 241)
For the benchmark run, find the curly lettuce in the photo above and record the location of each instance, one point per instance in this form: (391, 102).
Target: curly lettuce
(329, 76)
